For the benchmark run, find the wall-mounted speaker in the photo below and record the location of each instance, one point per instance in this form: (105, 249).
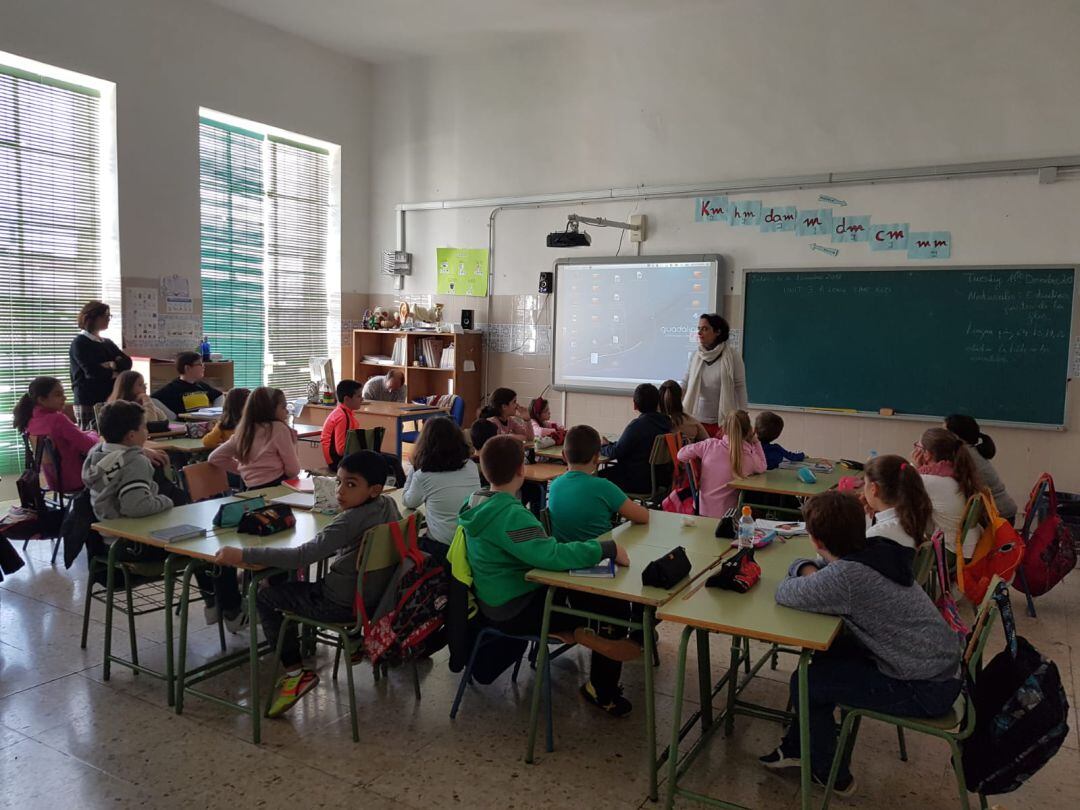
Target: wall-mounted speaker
(466, 319)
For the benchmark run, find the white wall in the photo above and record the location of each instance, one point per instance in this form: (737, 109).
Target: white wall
(167, 59)
(744, 90)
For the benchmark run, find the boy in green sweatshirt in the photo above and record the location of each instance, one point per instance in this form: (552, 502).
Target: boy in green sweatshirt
(504, 541)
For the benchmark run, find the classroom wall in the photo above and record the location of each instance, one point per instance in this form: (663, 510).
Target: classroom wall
(167, 59)
(739, 91)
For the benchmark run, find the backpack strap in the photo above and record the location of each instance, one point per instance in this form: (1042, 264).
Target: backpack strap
(938, 541)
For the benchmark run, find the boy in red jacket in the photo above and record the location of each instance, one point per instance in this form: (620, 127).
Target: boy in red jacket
(340, 421)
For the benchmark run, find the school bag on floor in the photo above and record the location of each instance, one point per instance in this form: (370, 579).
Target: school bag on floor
(1021, 713)
(998, 552)
(1050, 551)
(410, 620)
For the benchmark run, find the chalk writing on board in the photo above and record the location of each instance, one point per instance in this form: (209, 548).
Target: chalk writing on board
(997, 345)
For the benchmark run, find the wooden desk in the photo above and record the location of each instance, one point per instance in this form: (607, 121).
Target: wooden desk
(307, 431)
(175, 429)
(392, 418)
(752, 615)
(643, 544)
(543, 473)
(181, 444)
(555, 451)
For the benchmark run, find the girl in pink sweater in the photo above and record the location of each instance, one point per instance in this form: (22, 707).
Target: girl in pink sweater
(263, 448)
(736, 454)
(40, 412)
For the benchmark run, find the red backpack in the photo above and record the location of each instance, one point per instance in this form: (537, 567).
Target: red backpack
(1050, 551)
(681, 498)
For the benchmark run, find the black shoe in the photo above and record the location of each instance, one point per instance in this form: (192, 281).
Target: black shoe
(778, 760)
(843, 787)
(618, 706)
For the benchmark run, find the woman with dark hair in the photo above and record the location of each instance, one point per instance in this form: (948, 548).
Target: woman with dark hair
(443, 478)
(507, 415)
(95, 362)
(715, 383)
(981, 448)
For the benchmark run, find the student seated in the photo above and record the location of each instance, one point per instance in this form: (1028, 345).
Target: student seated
(188, 392)
(981, 448)
(768, 426)
(542, 426)
(231, 411)
(897, 654)
(131, 387)
(582, 505)
(504, 541)
(634, 446)
(950, 478)
(442, 479)
(508, 417)
(341, 420)
(389, 387)
(735, 455)
(40, 413)
(263, 449)
(360, 478)
(896, 499)
(479, 433)
(671, 405)
(122, 483)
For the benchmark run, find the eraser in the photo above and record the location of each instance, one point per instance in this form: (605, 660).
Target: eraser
(806, 475)
(887, 411)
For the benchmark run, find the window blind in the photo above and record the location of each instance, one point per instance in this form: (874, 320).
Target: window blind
(297, 232)
(51, 247)
(231, 246)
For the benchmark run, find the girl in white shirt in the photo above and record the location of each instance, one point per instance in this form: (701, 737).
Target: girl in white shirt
(950, 478)
(894, 492)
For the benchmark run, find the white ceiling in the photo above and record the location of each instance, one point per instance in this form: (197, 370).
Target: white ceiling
(386, 30)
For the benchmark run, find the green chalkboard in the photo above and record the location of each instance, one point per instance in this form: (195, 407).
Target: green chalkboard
(992, 342)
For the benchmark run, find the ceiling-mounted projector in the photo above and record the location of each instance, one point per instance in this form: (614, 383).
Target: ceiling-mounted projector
(572, 237)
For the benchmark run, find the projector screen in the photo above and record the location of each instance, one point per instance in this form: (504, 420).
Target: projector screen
(621, 322)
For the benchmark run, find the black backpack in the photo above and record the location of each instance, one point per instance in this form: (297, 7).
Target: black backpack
(1021, 713)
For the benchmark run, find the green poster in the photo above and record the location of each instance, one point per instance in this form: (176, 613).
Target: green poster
(462, 271)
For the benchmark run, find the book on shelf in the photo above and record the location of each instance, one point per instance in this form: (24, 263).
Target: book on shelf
(379, 359)
(429, 352)
(400, 356)
(448, 356)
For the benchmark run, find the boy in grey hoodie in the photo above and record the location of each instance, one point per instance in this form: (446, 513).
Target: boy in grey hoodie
(121, 483)
(360, 478)
(897, 656)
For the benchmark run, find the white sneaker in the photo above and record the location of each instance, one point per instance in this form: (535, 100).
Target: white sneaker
(237, 623)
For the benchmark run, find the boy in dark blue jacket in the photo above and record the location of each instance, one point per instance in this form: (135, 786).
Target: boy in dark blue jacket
(634, 446)
(768, 426)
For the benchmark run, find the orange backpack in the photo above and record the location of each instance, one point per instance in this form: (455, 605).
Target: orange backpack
(999, 552)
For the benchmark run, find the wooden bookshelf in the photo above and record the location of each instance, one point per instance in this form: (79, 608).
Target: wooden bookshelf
(423, 381)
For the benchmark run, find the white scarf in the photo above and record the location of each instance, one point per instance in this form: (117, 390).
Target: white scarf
(728, 402)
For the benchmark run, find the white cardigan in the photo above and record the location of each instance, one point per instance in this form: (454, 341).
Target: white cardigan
(712, 391)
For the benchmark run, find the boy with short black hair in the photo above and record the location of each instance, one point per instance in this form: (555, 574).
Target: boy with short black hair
(360, 479)
(504, 541)
(188, 392)
(634, 447)
(902, 658)
(341, 420)
(768, 426)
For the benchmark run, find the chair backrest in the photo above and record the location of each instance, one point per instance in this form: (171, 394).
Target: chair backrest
(379, 552)
(457, 410)
(97, 411)
(973, 514)
(659, 459)
(923, 568)
(204, 480)
(545, 518)
(359, 439)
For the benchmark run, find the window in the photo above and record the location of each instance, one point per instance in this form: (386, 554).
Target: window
(269, 245)
(58, 234)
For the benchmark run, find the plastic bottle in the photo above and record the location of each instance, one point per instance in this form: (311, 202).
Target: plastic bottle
(204, 349)
(746, 529)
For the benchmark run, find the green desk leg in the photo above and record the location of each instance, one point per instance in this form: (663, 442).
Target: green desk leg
(650, 698)
(253, 660)
(704, 678)
(804, 728)
(181, 665)
(170, 669)
(676, 720)
(733, 684)
(110, 586)
(538, 680)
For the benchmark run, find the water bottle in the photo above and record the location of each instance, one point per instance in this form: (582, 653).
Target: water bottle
(204, 349)
(746, 529)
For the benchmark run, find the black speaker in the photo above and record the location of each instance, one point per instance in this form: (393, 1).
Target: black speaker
(466, 319)
(547, 283)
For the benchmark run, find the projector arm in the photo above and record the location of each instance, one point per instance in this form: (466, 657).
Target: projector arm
(600, 222)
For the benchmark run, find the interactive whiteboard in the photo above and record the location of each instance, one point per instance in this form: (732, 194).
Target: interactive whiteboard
(620, 322)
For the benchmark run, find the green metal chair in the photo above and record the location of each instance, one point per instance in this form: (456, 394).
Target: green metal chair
(660, 460)
(954, 727)
(378, 559)
(359, 439)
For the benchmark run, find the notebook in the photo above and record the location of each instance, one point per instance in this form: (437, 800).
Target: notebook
(174, 534)
(299, 500)
(782, 528)
(306, 485)
(606, 569)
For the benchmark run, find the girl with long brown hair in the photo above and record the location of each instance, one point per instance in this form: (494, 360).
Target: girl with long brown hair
(894, 491)
(950, 478)
(263, 449)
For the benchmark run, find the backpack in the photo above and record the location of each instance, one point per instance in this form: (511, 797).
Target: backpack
(410, 619)
(998, 552)
(1050, 550)
(944, 602)
(1021, 713)
(681, 499)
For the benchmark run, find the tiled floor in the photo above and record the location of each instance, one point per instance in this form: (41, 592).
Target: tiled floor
(69, 739)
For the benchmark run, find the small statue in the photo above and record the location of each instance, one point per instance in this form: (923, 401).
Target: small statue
(428, 314)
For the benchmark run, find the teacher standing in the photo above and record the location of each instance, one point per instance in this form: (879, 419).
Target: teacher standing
(715, 384)
(95, 362)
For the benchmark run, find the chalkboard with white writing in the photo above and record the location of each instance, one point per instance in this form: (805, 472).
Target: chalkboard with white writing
(992, 342)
